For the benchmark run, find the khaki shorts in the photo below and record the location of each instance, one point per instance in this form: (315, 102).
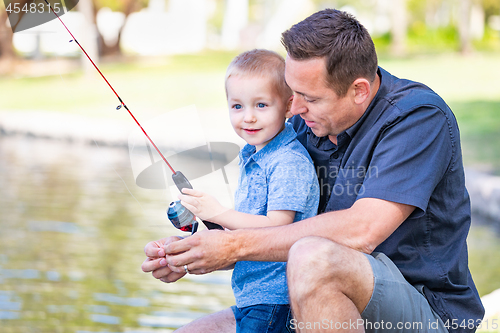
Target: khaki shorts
(396, 305)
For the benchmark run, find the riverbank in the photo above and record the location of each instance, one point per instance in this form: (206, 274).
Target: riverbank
(484, 189)
(491, 303)
(64, 127)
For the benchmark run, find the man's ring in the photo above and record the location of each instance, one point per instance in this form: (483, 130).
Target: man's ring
(186, 269)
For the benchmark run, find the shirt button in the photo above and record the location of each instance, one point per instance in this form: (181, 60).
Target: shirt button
(335, 155)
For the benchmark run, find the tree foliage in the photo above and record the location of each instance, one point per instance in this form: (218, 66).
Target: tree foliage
(491, 7)
(124, 6)
(127, 7)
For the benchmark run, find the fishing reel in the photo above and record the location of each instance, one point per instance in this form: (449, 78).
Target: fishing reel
(179, 215)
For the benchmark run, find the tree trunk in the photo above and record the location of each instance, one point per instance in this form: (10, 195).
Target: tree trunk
(398, 27)
(129, 7)
(235, 19)
(6, 35)
(464, 27)
(89, 40)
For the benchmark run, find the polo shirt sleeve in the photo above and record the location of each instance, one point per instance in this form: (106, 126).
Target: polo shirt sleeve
(291, 182)
(413, 153)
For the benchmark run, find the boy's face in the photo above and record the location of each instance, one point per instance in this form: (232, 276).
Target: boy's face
(257, 112)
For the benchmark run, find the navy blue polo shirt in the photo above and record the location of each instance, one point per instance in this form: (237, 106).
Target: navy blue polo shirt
(406, 149)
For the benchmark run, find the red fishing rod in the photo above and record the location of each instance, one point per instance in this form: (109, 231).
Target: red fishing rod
(102, 75)
(181, 218)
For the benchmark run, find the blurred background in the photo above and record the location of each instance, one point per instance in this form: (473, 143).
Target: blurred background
(74, 218)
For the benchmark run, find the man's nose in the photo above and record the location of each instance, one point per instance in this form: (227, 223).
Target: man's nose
(298, 105)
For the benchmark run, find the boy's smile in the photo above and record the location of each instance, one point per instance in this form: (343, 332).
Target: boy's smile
(256, 110)
(251, 130)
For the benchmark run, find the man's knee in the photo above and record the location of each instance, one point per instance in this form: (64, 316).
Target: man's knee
(316, 262)
(310, 252)
(312, 259)
(318, 255)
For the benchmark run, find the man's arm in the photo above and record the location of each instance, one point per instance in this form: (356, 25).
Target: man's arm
(362, 227)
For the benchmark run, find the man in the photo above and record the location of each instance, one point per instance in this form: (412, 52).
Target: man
(387, 253)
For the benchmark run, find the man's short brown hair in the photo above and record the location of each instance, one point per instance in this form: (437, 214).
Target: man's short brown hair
(346, 45)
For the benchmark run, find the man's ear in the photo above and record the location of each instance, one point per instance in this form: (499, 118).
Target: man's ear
(361, 88)
(289, 114)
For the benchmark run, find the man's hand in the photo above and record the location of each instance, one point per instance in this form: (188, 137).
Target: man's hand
(201, 204)
(204, 252)
(362, 227)
(156, 263)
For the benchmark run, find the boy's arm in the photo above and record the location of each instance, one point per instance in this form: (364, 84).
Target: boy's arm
(208, 208)
(232, 219)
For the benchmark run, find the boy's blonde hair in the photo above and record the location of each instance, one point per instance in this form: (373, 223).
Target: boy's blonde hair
(263, 63)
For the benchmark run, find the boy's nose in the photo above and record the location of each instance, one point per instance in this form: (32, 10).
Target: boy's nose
(249, 117)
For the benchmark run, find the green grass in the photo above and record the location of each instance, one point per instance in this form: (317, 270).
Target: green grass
(483, 259)
(153, 83)
(470, 86)
(480, 132)
(150, 86)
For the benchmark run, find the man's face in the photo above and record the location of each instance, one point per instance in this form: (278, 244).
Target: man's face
(316, 102)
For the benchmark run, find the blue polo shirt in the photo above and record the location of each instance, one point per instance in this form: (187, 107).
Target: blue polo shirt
(406, 149)
(280, 176)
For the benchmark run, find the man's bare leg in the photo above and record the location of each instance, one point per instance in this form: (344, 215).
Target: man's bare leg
(219, 322)
(328, 283)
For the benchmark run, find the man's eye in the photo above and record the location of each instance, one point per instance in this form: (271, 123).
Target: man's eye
(309, 100)
(261, 105)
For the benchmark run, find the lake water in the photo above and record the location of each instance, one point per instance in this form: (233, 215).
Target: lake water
(71, 245)
(73, 226)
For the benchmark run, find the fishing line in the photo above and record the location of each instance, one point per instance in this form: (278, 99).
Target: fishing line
(110, 86)
(184, 219)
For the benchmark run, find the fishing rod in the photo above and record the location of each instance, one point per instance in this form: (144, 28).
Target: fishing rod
(180, 216)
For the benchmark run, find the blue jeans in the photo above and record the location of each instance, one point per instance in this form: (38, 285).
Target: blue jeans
(263, 318)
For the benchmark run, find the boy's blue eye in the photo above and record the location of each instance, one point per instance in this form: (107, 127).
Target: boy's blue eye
(237, 106)
(261, 105)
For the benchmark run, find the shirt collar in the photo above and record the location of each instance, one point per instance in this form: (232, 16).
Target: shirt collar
(282, 139)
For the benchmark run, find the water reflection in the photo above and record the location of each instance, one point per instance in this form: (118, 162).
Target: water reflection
(72, 229)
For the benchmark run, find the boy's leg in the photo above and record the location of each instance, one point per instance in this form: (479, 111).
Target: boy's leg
(340, 289)
(219, 322)
(263, 318)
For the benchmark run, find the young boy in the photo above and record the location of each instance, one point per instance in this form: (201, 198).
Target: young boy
(277, 184)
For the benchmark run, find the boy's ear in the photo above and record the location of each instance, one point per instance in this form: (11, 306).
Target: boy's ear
(288, 114)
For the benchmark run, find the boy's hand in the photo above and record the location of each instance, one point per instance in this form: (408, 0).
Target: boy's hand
(205, 206)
